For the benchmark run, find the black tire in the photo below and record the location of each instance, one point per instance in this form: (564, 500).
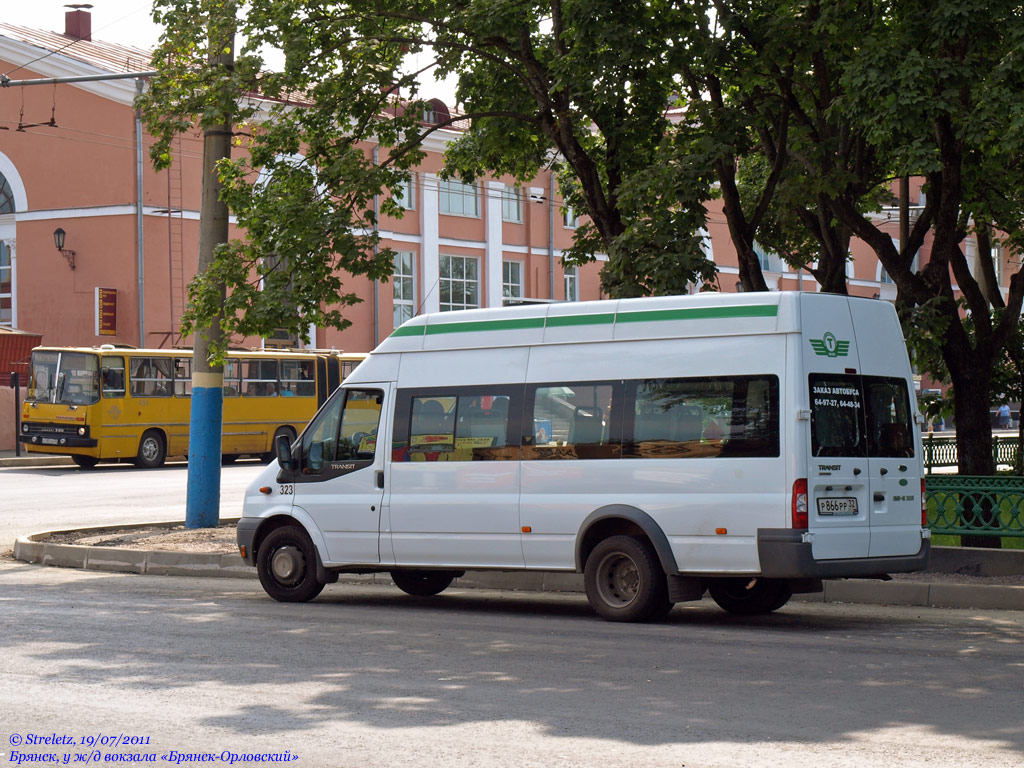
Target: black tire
(286, 564)
(152, 450)
(228, 458)
(270, 455)
(748, 597)
(624, 580)
(85, 462)
(422, 583)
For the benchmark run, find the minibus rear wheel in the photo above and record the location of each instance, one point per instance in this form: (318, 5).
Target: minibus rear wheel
(624, 580)
(286, 564)
(422, 583)
(748, 597)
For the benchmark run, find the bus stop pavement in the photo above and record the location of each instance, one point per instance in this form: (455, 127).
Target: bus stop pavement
(957, 577)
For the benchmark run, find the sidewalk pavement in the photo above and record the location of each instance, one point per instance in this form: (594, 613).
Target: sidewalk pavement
(957, 577)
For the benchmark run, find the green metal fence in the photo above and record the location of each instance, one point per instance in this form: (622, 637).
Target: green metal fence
(976, 505)
(941, 451)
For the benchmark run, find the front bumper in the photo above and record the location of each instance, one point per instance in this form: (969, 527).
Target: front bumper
(64, 441)
(785, 555)
(245, 534)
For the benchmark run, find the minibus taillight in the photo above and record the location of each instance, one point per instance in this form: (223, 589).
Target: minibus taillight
(800, 503)
(924, 506)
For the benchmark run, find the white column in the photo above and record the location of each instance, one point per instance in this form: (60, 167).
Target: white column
(430, 267)
(493, 273)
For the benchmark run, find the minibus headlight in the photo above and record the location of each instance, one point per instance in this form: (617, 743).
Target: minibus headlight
(24, 428)
(81, 430)
(800, 503)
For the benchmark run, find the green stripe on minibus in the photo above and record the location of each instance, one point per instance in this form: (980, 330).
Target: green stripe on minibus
(603, 318)
(699, 313)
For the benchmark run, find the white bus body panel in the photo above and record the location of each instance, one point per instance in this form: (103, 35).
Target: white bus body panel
(713, 511)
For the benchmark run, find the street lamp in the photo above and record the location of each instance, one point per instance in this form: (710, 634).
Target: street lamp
(58, 240)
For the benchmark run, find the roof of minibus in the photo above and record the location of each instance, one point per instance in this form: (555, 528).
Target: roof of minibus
(705, 314)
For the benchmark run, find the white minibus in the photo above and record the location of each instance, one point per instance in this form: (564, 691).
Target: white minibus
(747, 445)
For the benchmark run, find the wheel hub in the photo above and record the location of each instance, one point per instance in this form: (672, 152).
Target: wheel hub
(619, 580)
(288, 565)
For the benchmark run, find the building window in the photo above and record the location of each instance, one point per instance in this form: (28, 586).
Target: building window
(458, 199)
(460, 284)
(512, 204)
(569, 218)
(764, 257)
(572, 284)
(511, 280)
(6, 196)
(405, 303)
(6, 285)
(405, 194)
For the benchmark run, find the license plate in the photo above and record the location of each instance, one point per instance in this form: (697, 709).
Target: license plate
(846, 505)
(49, 441)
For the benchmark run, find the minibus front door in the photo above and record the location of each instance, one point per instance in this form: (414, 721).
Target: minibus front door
(339, 482)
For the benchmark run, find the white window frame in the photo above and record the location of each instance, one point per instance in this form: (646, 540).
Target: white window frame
(457, 285)
(511, 280)
(404, 306)
(572, 283)
(7, 276)
(569, 218)
(512, 204)
(405, 196)
(458, 199)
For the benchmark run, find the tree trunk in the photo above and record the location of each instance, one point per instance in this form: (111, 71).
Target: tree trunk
(973, 441)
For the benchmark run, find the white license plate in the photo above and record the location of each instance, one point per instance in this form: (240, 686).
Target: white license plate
(846, 505)
(50, 441)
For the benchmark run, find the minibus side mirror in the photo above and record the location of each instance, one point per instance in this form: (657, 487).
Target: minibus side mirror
(283, 447)
(315, 461)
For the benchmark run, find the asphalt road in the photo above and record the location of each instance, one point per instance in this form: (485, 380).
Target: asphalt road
(43, 498)
(365, 676)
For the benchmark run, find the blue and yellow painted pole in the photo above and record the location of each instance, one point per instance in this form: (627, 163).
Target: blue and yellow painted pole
(202, 507)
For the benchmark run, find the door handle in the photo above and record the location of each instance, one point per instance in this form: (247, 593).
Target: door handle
(380, 478)
(879, 496)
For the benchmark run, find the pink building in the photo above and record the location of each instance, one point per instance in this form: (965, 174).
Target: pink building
(74, 158)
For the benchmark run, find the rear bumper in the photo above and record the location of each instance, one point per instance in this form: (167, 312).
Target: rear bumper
(785, 555)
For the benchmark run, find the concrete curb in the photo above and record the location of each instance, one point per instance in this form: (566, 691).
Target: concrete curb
(37, 460)
(34, 548)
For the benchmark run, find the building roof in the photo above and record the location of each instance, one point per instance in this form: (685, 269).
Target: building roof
(109, 57)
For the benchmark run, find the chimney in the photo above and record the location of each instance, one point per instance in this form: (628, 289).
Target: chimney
(78, 22)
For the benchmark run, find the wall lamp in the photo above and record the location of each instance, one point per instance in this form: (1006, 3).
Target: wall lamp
(58, 240)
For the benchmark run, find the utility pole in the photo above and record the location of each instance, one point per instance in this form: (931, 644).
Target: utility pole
(202, 506)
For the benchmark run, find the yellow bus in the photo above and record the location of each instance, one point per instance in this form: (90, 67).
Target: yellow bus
(115, 403)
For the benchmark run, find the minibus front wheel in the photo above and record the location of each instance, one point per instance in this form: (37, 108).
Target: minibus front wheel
(85, 462)
(624, 580)
(286, 564)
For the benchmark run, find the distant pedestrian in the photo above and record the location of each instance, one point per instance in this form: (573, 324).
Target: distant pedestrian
(1003, 416)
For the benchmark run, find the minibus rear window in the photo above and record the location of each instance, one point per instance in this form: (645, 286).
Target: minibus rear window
(860, 416)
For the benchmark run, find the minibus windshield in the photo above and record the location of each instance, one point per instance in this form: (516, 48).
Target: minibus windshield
(70, 378)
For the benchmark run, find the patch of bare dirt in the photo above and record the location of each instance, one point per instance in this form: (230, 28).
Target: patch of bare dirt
(219, 540)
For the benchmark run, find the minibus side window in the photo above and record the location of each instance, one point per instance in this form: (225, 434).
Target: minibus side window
(889, 419)
(345, 430)
(461, 424)
(231, 386)
(572, 421)
(837, 415)
(731, 416)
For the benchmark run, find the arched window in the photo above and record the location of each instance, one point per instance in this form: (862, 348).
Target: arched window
(6, 196)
